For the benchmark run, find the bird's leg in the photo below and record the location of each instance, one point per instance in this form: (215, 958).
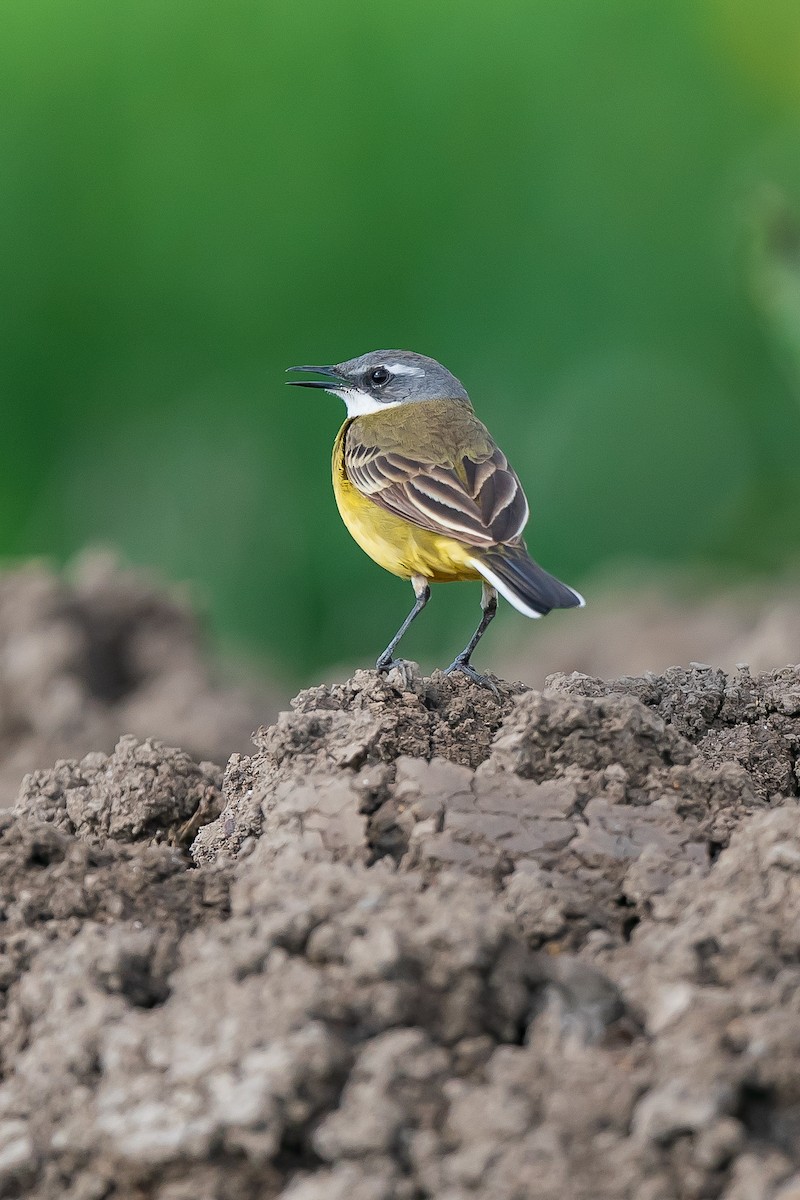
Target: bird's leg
(423, 594)
(461, 661)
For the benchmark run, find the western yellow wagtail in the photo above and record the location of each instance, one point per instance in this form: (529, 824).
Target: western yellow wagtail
(426, 492)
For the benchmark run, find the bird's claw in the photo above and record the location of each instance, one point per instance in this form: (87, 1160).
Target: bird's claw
(466, 668)
(400, 673)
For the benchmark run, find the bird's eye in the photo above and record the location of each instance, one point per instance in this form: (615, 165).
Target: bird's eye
(379, 376)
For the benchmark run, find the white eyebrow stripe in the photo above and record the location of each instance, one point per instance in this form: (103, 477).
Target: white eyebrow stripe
(403, 369)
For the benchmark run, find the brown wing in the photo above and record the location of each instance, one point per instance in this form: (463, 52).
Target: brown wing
(472, 495)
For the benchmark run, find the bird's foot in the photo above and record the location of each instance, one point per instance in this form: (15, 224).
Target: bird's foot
(466, 668)
(400, 673)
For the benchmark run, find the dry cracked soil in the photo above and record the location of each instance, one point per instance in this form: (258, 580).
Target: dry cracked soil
(422, 942)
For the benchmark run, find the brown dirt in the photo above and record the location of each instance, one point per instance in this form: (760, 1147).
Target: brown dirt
(100, 651)
(424, 942)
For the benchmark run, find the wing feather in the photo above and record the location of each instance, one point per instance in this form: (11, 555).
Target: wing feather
(471, 495)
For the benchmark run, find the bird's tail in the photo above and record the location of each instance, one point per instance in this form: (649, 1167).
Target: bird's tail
(524, 584)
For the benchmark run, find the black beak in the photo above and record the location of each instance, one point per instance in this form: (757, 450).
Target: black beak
(317, 383)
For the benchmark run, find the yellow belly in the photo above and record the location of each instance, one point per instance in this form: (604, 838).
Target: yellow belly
(393, 543)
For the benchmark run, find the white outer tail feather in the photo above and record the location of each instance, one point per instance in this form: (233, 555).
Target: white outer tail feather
(510, 596)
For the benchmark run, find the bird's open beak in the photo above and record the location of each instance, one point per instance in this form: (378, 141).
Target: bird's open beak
(332, 381)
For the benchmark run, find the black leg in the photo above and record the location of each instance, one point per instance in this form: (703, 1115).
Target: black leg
(461, 661)
(423, 594)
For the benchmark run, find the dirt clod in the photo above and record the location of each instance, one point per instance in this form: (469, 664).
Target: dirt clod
(430, 942)
(102, 651)
(143, 792)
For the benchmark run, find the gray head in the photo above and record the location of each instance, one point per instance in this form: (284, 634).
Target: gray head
(384, 379)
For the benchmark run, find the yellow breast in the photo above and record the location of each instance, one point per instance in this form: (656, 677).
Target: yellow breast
(393, 543)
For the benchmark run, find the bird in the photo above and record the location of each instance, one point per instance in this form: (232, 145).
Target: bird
(428, 494)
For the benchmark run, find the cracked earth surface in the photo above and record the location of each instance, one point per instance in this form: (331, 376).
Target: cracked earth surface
(423, 942)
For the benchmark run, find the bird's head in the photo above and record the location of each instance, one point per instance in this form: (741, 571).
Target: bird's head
(384, 379)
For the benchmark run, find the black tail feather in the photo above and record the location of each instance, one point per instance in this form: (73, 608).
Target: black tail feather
(524, 583)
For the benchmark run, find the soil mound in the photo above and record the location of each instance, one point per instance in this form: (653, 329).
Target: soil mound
(100, 651)
(427, 941)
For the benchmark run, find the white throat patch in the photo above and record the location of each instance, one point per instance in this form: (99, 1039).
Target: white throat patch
(361, 404)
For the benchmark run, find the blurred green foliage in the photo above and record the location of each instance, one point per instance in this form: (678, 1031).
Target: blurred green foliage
(571, 204)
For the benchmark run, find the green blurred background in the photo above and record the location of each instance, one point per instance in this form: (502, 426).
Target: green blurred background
(585, 210)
